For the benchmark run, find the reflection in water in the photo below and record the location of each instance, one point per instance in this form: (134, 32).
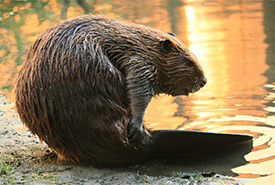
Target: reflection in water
(234, 40)
(233, 51)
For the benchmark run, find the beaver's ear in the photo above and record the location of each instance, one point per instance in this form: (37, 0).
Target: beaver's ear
(166, 46)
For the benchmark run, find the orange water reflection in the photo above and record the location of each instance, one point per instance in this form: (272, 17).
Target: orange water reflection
(223, 37)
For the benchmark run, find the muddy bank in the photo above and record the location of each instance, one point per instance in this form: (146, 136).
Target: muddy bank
(24, 160)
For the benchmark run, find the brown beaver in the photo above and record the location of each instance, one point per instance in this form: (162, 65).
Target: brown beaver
(87, 81)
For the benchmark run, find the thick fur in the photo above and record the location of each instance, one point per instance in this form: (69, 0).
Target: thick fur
(85, 80)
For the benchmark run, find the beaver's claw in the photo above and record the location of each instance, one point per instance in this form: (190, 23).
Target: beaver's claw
(138, 135)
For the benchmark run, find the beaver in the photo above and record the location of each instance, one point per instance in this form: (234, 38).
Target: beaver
(86, 82)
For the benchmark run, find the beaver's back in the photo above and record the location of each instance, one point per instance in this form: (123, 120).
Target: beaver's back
(87, 81)
(71, 96)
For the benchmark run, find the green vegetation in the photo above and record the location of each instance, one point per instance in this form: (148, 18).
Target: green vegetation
(7, 166)
(43, 174)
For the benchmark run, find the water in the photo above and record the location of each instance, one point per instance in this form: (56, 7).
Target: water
(234, 40)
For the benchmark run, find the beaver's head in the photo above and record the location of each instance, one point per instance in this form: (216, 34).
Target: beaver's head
(180, 72)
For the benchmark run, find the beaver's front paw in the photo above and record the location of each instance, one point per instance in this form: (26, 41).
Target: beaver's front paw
(138, 135)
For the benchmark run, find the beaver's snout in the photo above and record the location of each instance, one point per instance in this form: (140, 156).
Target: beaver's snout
(199, 84)
(203, 81)
(194, 87)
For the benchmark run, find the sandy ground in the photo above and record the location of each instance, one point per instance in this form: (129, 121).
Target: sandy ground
(24, 160)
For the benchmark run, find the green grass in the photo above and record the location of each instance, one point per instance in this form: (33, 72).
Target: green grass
(43, 175)
(7, 166)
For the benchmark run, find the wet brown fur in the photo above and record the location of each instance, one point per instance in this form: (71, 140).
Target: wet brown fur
(72, 90)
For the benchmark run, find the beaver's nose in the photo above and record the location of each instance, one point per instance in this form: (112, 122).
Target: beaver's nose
(203, 81)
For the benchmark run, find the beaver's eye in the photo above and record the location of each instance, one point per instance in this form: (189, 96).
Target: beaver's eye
(172, 34)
